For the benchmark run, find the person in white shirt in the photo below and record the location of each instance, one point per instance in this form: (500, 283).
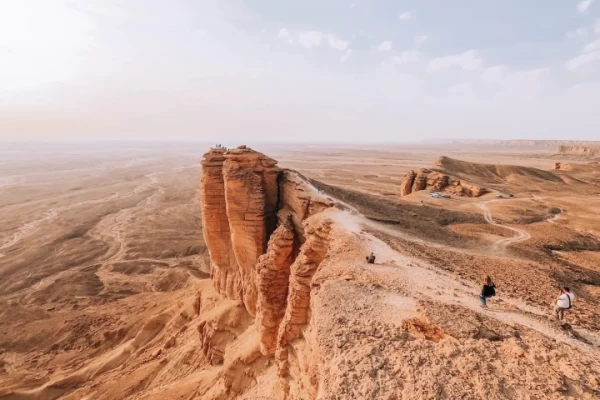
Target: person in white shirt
(564, 302)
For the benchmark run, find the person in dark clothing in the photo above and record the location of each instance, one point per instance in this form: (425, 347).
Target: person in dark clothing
(371, 258)
(488, 290)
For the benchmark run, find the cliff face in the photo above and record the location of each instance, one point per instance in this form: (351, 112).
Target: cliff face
(582, 151)
(215, 227)
(250, 181)
(264, 247)
(426, 179)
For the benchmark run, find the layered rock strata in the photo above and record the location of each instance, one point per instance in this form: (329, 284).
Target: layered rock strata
(264, 244)
(582, 151)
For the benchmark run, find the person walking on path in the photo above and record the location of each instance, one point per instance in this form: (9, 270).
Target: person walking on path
(564, 302)
(488, 290)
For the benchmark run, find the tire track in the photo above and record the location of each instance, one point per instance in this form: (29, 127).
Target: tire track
(521, 234)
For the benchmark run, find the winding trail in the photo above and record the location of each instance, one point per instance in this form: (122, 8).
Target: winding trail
(521, 234)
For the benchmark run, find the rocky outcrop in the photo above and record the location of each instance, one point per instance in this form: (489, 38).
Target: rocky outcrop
(273, 278)
(407, 183)
(581, 151)
(563, 166)
(215, 227)
(264, 244)
(303, 269)
(251, 196)
(427, 179)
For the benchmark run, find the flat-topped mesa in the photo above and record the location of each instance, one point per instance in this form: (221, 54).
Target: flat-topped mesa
(582, 151)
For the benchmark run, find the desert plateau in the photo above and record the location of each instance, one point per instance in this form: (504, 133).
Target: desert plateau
(167, 270)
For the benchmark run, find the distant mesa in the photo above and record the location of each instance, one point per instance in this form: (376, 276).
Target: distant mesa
(580, 151)
(439, 179)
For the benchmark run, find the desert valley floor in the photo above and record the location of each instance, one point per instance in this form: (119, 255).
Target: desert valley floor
(106, 289)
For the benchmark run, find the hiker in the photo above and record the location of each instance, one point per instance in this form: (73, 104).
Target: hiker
(422, 203)
(564, 302)
(488, 290)
(371, 258)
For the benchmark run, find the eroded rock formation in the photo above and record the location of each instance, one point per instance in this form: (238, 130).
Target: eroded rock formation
(215, 225)
(264, 246)
(273, 278)
(427, 179)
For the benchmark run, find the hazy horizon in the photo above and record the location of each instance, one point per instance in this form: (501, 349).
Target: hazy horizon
(351, 71)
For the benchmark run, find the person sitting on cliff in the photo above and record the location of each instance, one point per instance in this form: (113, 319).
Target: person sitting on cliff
(488, 290)
(371, 258)
(564, 302)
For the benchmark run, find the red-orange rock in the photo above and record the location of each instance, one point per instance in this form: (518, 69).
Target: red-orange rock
(215, 226)
(407, 182)
(302, 271)
(273, 278)
(251, 190)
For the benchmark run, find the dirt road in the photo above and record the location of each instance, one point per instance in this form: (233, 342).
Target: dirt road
(503, 243)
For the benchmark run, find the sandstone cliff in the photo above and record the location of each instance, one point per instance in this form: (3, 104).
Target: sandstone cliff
(264, 247)
(582, 151)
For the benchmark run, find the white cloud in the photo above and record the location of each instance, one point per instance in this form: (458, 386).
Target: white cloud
(577, 33)
(406, 57)
(494, 74)
(385, 46)
(592, 46)
(285, 35)
(405, 16)
(310, 39)
(419, 40)
(468, 61)
(582, 60)
(583, 6)
(461, 90)
(346, 56)
(597, 26)
(337, 43)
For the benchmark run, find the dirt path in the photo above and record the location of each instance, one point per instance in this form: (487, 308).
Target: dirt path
(426, 281)
(521, 234)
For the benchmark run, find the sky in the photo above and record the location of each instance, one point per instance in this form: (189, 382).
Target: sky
(299, 71)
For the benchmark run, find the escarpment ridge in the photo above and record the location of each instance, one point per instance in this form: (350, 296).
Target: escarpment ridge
(582, 151)
(295, 312)
(264, 247)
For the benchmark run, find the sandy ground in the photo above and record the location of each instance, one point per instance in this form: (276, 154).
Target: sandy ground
(101, 257)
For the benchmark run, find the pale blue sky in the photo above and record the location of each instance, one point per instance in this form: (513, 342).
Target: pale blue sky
(309, 70)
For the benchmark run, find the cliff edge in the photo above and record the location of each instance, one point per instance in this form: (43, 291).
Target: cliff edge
(295, 312)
